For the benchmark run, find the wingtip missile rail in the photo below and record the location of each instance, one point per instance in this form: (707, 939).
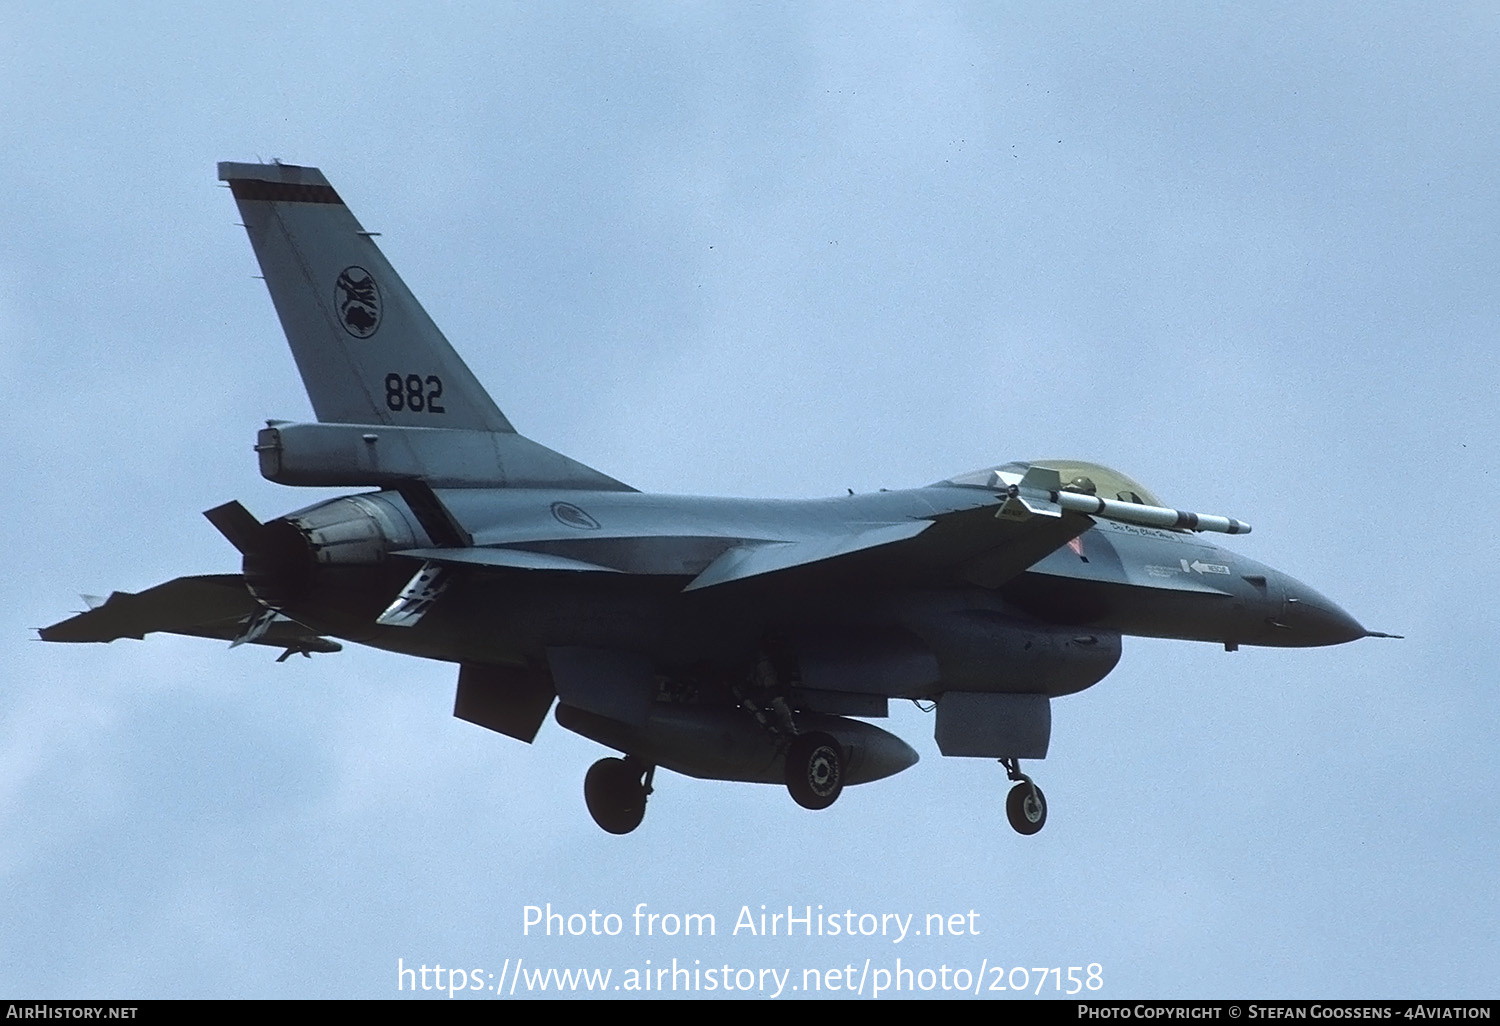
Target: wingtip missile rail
(1146, 516)
(1040, 490)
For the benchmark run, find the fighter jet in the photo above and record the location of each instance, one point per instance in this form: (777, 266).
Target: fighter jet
(725, 639)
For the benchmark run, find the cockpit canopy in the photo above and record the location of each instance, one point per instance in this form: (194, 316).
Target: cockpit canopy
(1077, 476)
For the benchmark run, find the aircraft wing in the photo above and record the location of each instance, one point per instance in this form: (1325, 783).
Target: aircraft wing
(985, 550)
(971, 545)
(756, 558)
(944, 536)
(210, 606)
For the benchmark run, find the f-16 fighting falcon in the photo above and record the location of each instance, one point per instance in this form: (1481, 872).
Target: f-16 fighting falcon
(727, 639)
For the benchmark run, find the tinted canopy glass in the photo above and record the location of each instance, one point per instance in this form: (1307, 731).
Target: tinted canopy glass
(1077, 476)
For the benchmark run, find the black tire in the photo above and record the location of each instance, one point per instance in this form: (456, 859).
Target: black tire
(1026, 807)
(815, 770)
(616, 798)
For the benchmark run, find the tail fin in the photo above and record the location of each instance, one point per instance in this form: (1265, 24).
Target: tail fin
(367, 351)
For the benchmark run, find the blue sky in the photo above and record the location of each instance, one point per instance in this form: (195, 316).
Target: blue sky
(1247, 254)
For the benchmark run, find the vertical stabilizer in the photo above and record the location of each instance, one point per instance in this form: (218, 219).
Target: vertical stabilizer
(367, 351)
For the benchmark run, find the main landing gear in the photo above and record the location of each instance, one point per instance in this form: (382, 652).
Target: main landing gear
(815, 764)
(615, 791)
(1025, 806)
(815, 770)
(815, 761)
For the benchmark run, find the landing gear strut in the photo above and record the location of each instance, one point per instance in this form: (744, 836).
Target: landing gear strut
(1025, 806)
(615, 791)
(815, 762)
(815, 770)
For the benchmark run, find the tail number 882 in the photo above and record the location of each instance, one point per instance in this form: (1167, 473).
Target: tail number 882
(414, 393)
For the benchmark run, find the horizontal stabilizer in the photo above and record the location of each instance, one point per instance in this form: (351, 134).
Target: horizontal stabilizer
(212, 606)
(757, 558)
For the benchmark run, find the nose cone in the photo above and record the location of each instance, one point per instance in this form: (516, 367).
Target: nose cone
(1309, 618)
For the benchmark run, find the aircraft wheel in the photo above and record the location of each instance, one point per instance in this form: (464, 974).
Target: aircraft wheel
(1026, 807)
(616, 798)
(815, 770)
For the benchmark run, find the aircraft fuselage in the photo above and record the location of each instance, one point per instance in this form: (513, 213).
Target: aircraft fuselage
(1053, 629)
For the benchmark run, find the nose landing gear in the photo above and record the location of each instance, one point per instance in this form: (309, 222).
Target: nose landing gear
(1025, 806)
(615, 791)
